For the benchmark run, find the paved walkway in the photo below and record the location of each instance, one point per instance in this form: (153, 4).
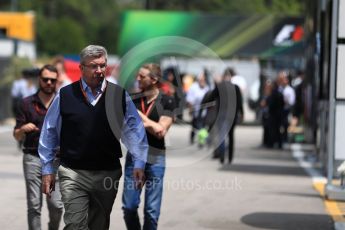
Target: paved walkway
(262, 189)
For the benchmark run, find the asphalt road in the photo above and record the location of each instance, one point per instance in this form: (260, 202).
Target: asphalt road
(262, 189)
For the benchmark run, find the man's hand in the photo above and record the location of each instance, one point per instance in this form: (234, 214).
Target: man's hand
(153, 127)
(48, 184)
(29, 127)
(19, 133)
(139, 177)
(159, 130)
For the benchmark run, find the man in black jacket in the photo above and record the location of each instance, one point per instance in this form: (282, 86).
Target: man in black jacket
(228, 112)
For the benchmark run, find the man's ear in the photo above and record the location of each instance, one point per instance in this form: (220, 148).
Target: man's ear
(81, 67)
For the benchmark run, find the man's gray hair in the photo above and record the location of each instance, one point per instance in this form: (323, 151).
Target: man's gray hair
(93, 51)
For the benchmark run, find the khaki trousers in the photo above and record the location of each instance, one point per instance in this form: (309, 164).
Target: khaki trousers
(88, 197)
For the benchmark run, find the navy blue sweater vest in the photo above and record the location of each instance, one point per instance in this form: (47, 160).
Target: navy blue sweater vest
(87, 141)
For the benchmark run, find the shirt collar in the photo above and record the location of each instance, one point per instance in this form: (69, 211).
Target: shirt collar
(35, 97)
(101, 88)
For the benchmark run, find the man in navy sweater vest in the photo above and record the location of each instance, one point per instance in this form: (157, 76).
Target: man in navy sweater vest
(86, 120)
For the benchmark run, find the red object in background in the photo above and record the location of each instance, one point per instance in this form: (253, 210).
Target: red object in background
(297, 34)
(72, 70)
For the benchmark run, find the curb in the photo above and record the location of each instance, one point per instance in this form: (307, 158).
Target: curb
(336, 209)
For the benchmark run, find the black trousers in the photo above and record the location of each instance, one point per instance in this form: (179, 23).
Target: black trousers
(220, 151)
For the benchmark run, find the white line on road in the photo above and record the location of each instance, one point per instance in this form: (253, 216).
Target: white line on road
(299, 155)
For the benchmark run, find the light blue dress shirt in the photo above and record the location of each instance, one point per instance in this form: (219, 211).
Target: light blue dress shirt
(133, 134)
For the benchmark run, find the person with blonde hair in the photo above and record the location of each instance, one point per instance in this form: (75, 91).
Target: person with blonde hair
(63, 79)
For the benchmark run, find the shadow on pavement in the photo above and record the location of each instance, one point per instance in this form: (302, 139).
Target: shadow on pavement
(264, 169)
(286, 157)
(287, 221)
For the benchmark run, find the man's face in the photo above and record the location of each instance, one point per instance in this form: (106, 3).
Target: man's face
(283, 78)
(93, 71)
(144, 79)
(47, 81)
(202, 80)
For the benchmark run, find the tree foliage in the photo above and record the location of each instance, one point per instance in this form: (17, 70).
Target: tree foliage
(287, 7)
(60, 35)
(65, 26)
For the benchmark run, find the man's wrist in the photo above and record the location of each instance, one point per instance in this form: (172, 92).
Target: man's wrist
(139, 164)
(48, 168)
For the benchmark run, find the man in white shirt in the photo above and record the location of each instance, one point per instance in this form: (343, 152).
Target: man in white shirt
(194, 97)
(289, 100)
(23, 87)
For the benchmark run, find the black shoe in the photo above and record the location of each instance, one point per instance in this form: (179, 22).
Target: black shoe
(215, 154)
